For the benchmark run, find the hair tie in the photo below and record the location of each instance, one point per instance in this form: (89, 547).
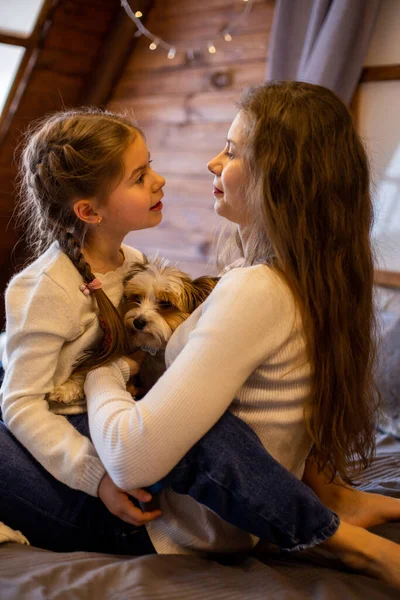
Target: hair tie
(88, 288)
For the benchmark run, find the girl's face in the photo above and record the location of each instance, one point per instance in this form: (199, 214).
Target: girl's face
(136, 201)
(229, 176)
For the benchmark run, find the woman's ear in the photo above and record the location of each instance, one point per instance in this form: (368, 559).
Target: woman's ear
(85, 211)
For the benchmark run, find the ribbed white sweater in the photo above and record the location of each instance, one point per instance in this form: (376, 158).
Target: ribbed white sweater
(243, 349)
(50, 324)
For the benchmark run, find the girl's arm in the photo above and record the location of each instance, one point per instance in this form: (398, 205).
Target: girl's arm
(39, 323)
(248, 314)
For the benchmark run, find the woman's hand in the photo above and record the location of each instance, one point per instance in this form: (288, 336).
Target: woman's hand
(118, 503)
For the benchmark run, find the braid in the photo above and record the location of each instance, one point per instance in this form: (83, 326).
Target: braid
(73, 250)
(115, 341)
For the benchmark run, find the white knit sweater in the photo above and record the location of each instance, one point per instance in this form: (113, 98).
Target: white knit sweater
(243, 349)
(50, 324)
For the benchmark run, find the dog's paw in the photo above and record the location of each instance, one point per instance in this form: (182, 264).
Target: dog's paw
(68, 392)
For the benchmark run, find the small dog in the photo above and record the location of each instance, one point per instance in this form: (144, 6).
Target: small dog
(157, 298)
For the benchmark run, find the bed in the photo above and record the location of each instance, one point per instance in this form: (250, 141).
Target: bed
(35, 574)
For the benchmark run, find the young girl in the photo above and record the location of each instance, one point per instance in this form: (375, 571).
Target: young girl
(87, 182)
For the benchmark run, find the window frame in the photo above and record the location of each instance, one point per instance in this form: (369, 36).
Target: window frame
(32, 44)
(378, 73)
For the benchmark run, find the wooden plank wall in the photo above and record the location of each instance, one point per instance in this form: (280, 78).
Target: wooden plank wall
(186, 118)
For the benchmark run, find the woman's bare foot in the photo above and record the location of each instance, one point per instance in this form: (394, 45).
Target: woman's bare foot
(362, 509)
(366, 552)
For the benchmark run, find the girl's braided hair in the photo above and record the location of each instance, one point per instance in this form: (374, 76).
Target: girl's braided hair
(65, 157)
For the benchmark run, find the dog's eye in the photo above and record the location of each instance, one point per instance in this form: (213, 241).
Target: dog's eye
(164, 304)
(133, 298)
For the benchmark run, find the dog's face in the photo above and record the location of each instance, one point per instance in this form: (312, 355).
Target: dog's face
(157, 298)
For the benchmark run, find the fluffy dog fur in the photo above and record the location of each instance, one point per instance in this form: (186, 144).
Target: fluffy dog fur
(157, 299)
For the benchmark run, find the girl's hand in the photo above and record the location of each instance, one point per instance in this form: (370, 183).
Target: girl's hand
(135, 361)
(118, 503)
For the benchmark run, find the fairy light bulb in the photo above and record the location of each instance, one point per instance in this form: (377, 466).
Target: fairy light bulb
(155, 42)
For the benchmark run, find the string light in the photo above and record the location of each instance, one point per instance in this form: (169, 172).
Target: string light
(193, 51)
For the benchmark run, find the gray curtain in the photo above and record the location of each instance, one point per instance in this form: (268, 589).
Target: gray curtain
(322, 42)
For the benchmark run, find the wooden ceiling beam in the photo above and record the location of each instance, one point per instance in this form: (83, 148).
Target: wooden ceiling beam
(380, 73)
(117, 48)
(14, 39)
(389, 279)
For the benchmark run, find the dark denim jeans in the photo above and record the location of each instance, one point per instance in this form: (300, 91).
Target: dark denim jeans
(228, 470)
(54, 516)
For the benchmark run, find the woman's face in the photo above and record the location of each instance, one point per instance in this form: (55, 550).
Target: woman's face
(229, 176)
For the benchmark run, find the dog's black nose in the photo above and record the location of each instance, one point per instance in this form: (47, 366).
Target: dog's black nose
(139, 323)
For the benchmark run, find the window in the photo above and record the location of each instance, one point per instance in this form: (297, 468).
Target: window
(379, 124)
(10, 60)
(19, 16)
(21, 29)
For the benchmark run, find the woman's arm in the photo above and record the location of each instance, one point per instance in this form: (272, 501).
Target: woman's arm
(38, 324)
(246, 316)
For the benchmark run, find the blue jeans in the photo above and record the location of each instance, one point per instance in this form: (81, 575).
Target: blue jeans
(228, 471)
(54, 516)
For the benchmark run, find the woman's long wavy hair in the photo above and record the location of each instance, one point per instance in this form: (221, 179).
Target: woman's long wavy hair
(307, 164)
(65, 157)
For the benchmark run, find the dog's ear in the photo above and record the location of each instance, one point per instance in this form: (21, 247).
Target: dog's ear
(135, 267)
(201, 288)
